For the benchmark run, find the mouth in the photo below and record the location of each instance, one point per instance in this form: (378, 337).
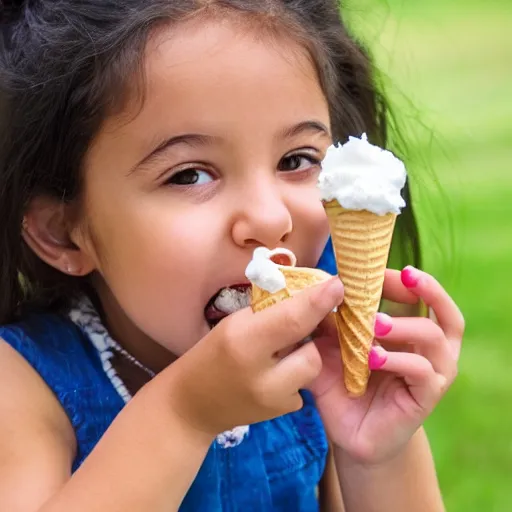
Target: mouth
(227, 301)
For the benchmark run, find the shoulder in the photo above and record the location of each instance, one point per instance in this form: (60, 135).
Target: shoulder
(49, 331)
(66, 362)
(22, 389)
(55, 347)
(28, 350)
(37, 442)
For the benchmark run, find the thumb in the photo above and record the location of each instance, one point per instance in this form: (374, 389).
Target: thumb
(291, 320)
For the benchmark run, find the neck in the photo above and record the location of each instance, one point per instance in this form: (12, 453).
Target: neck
(149, 353)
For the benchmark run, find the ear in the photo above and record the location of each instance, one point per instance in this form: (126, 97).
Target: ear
(47, 231)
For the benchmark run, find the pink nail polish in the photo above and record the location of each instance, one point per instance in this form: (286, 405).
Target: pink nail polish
(376, 359)
(383, 325)
(410, 277)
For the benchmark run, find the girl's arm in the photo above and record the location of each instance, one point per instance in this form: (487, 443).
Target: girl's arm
(150, 455)
(408, 482)
(147, 459)
(383, 460)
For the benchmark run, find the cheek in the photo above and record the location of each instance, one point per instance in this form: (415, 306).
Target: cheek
(151, 237)
(158, 258)
(155, 263)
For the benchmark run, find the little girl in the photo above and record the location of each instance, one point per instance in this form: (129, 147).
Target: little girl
(146, 149)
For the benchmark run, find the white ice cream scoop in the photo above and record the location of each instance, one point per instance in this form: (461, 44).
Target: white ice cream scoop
(361, 176)
(265, 273)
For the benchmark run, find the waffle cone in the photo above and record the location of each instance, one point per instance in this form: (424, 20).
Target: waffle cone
(261, 299)
(297, 279)
(361, 241)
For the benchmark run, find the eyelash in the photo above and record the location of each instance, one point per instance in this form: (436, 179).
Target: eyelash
(199, 167)
(314, 161)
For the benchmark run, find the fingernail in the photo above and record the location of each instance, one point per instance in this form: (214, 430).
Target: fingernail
(410, 277)
(377, 358)
(335, 287)
(383, 325)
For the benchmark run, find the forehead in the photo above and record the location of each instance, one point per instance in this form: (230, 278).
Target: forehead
(217, 79)
(216, 67)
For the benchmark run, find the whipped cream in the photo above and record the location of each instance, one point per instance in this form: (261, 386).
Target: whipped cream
(361, 176)
(264, 273)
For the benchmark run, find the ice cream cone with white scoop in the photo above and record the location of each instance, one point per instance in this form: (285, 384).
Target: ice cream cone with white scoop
(360, 185)
(275, 277)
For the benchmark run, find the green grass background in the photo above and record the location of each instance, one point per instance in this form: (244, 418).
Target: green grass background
(450, 64)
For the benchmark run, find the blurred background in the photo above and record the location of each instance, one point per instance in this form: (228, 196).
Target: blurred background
(448, 65)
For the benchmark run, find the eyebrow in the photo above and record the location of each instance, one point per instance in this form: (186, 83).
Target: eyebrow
(305, 126)
(196, 139)
(190, 139)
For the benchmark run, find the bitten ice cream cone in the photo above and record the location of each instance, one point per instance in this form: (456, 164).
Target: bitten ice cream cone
(360, 186)
(274, 282)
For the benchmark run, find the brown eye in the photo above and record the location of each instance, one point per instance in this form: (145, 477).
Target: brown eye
(190, 177)
(297, 163)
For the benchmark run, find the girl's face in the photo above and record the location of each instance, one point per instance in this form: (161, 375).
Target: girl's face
(222, 158)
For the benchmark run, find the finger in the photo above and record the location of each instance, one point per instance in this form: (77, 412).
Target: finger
(449, 316)
(421, 335)
(297, 370)
(289, 321)
(326, 328)
(423, 383)
(395, 291)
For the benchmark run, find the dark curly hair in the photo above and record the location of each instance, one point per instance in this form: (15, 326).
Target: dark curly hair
(64, 66)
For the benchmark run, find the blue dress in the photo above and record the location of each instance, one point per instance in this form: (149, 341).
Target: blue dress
(277, 466)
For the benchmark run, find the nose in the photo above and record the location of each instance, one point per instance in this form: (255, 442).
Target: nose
(263, 218)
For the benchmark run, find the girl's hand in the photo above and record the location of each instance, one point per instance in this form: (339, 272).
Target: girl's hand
(237, 374)
(414, 362)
